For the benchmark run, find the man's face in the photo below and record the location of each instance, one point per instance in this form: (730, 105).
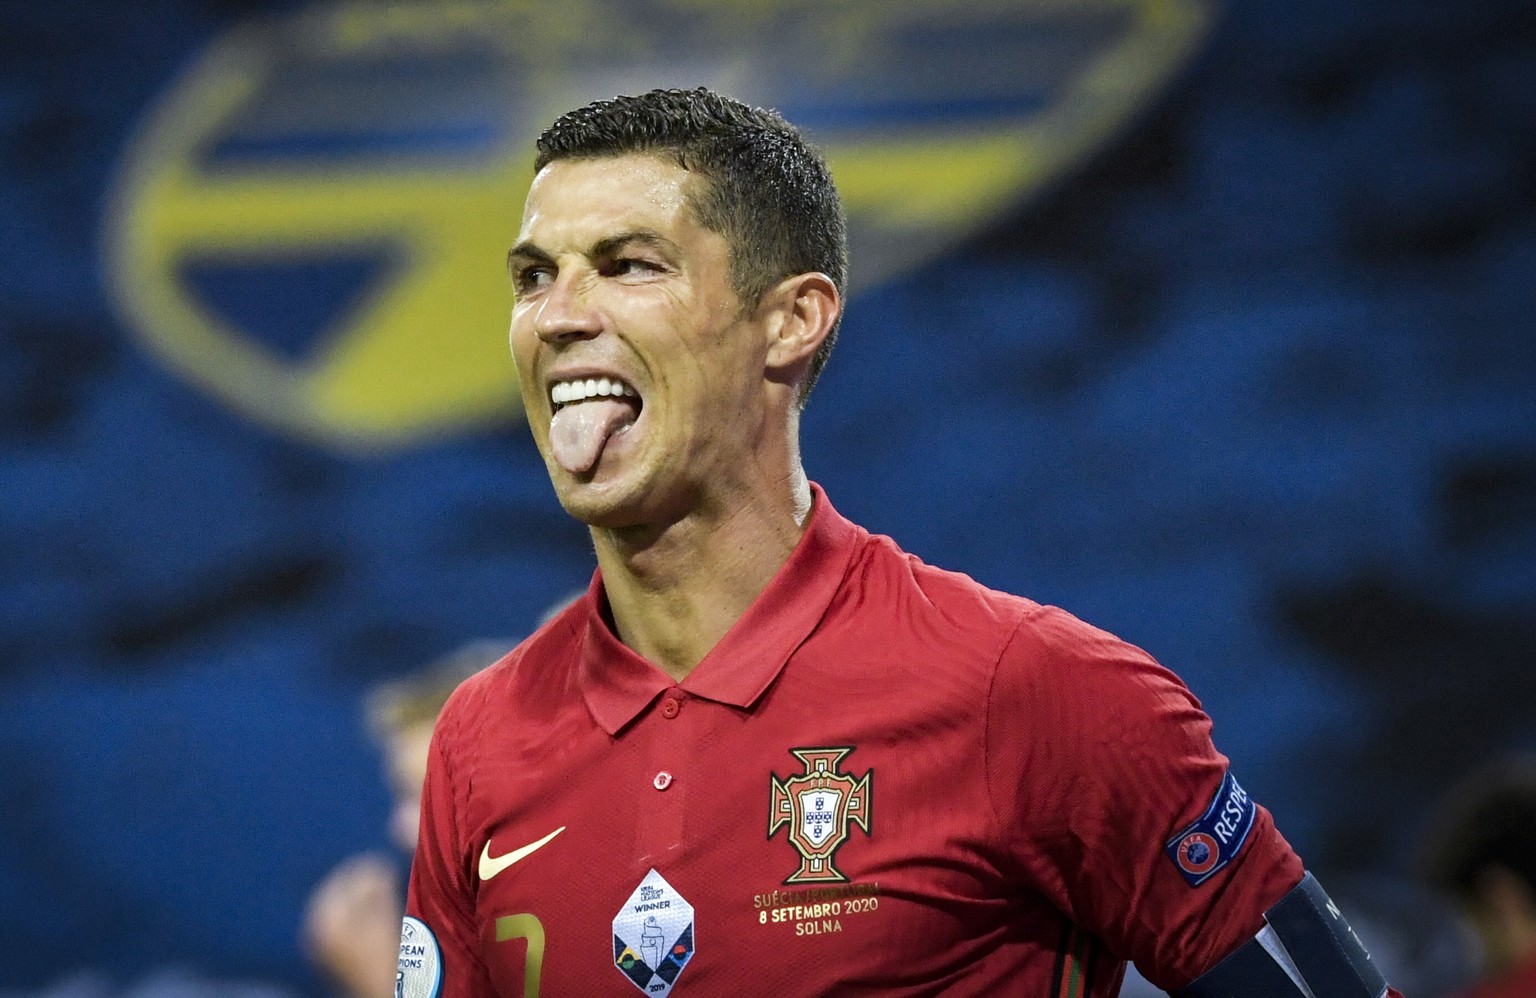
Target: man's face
(642, 378)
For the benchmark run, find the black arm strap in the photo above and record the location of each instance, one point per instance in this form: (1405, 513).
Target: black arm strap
(1306, 950)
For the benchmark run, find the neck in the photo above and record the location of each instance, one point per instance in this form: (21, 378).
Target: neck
(676, 590)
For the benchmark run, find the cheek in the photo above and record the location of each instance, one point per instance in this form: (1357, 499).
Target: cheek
(523, 343)
(519, 328)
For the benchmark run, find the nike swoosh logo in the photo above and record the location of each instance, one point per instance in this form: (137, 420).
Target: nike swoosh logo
(490, 866)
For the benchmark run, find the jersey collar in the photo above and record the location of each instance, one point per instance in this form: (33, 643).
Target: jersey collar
(618, 684)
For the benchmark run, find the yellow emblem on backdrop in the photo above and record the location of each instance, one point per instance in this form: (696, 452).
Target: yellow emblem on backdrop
(312, 223)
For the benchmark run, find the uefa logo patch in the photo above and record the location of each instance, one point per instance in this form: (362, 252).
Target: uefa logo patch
(1215, 839)
(1198, 854)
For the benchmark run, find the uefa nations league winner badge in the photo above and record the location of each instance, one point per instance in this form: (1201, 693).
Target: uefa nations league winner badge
(653, 936)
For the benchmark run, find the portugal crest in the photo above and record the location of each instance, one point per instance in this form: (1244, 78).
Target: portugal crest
(817, 806)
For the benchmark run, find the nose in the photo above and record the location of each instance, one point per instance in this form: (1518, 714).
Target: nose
(565, 313)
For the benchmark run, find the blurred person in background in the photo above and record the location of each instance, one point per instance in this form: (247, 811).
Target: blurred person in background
(1482, 852)
(352, 922)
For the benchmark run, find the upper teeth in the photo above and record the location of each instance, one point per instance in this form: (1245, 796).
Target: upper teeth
(578, 390)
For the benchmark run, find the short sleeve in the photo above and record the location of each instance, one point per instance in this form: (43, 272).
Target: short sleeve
(1099, 763)
(439, 893)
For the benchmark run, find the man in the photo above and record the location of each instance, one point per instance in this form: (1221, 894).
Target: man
(1483, 855)
(769, 753)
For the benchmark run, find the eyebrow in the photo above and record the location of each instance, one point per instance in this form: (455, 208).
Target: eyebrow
(645, 237)
(526, 250)
(607, 246)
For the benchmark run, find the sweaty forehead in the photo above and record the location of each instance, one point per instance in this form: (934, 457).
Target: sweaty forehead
(574, 203)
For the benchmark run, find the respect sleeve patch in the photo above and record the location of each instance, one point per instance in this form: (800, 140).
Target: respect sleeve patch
(1216, 837)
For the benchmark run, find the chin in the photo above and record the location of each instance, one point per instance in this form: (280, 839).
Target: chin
(597, 513)
(608, 505)
(636, 499)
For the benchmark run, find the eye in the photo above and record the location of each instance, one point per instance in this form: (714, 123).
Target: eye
(632, 266)
(532, 277)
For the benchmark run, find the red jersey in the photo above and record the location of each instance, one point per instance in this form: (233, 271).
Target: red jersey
(886, 779)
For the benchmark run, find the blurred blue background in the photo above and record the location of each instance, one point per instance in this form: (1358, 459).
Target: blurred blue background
(1211, 325)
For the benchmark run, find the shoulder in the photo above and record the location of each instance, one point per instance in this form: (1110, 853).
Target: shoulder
(1040, 656)
(495, 694)
(1075, 648)
(886, 579)
(1034, 640)
(1058, 656)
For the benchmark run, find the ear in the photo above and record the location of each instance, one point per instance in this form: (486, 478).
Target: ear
(799, 313)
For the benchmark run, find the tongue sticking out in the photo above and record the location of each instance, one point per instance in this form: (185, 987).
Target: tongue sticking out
(578, 432)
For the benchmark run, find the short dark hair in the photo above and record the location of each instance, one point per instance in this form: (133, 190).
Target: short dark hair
(1488, 820)
(768, 191)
